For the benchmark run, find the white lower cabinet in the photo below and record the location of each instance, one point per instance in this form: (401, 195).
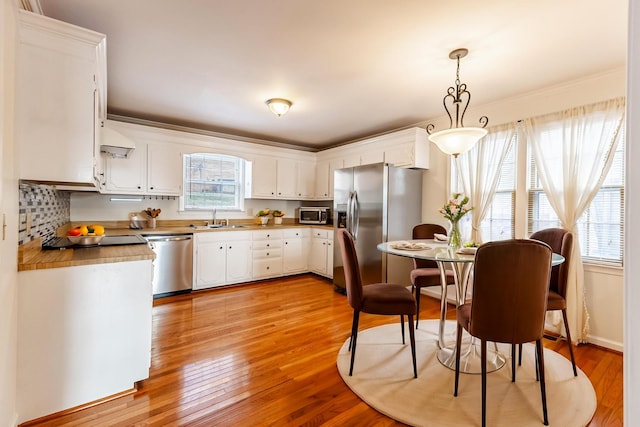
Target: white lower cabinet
(267, 253)
(85, 334)
(321, 252)
(222, 258)
(295, 250)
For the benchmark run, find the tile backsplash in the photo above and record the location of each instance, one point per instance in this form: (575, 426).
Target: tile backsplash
(44, 208)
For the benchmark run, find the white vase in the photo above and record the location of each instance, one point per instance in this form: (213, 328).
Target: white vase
(264, 220)
(277, 220)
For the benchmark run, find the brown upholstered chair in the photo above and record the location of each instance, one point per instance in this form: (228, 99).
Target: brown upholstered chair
(426, 273)
(508, 305)
(378, 298)
(561, 242)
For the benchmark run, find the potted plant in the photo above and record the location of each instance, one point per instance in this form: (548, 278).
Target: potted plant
(277, 216)
(263, 216)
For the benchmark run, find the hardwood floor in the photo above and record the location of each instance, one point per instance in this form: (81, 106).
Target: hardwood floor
(265, 354)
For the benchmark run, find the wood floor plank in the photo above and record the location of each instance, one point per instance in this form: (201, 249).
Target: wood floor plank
(265, 354)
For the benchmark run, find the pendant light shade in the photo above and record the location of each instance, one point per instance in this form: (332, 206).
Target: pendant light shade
(279, 106)
(457, 139)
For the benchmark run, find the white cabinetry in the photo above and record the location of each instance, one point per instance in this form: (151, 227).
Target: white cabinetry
(59, 107)
(324, 178)
(152, 168)
(321, 252)
(85, 334)
(281, 178)
(222, 258)
(267, 253)
(295, 250)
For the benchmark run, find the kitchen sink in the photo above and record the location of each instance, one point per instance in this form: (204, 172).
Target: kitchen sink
(234, 226)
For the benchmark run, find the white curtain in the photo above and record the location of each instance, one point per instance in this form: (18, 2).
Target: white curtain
(479, 172)
(573, 151)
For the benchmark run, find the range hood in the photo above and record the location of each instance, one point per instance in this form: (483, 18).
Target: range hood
(115, 144)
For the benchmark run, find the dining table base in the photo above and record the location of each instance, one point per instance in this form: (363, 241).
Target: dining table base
(470, 359)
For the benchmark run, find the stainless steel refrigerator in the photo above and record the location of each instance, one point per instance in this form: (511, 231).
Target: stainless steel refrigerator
(376, 203)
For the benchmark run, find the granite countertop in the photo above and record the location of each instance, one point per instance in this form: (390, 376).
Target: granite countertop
(32, 257)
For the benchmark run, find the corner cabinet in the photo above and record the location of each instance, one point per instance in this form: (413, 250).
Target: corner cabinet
(152, 168)
(321, 252)
(60, 98)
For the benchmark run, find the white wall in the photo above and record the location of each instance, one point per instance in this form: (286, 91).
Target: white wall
(632, 235)
(8, 209)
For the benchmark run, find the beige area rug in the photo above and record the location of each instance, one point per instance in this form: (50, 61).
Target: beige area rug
(383, 378)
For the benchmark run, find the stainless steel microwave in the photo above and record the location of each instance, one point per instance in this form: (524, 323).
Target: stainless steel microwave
(314, 215)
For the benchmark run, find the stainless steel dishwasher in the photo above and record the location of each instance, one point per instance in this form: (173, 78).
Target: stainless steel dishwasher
(173, 266)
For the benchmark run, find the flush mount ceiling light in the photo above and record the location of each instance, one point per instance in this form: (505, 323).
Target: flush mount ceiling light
(278, 106)
(457, 139)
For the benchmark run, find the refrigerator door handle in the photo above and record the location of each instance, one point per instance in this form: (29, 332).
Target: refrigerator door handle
(349, 219)
(355, 218)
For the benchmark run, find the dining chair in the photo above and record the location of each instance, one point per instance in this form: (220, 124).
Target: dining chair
(426, 273)
(508, 305)
(377, 298)
(561, 242)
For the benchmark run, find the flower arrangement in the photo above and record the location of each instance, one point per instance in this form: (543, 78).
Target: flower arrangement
(277, 213)
(263, 212)
(455, 209)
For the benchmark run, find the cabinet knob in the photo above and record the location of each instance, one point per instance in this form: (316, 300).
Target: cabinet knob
(151, 188)
(267, 245)
(139, 187)
(267, 253)
(229, 247)
(221, 247)
(286, 243)
(267, 267)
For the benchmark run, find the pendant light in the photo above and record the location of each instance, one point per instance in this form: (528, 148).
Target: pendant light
(457, 139)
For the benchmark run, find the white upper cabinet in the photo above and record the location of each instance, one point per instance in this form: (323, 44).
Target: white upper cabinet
(152, 168)
(60, 97)
(281, 178)
(164, 168)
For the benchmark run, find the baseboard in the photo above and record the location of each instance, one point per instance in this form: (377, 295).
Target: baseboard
(605, 343)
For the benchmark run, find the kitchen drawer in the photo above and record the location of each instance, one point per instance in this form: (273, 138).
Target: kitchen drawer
(263, 268)
(319, 233)
(267, 235)
(267, 253)
(267, 244)
(292, 233)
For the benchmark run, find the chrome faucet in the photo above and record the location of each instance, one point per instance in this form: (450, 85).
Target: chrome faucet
(214, 216)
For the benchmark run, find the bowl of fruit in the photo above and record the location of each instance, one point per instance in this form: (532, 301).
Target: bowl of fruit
(86, 235)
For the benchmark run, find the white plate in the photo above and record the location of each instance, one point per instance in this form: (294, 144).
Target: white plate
(411, 246)
(467, 251)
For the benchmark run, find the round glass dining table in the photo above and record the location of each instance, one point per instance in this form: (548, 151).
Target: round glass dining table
(460, 263)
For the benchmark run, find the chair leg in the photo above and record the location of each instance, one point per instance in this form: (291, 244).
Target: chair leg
(543, 390)
(417, 295)
(458, 345)
(520, 354)
(513, 362)
(402, 327)
(412, 339)
(354, 337)
(483, 361)
(354, 326)
(566, 328)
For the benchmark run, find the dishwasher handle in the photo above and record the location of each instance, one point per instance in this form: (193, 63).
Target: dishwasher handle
(167, 238)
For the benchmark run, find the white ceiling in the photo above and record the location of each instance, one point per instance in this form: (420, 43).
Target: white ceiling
(352, 68)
